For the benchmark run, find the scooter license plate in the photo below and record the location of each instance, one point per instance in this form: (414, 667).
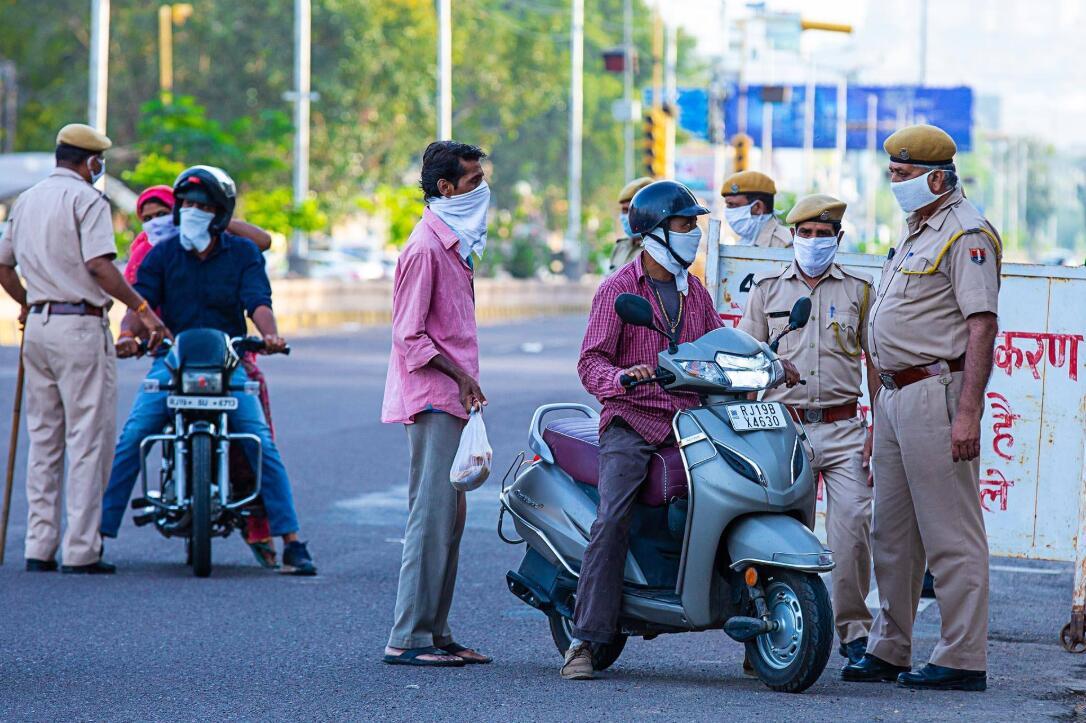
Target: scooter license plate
(746, 417)
(211, 403)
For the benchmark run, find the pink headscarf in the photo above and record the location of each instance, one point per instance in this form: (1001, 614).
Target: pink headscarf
(140, 245)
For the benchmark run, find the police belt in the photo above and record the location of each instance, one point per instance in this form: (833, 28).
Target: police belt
(905, 377)
(59, 308)
(825, 415)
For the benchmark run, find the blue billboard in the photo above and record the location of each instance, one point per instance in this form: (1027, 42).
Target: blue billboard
(949, 108)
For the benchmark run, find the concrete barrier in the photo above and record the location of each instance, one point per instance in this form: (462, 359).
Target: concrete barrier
(308, 305)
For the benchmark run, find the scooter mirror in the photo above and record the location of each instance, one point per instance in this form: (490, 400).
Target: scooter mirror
(801, 313)
(635, 310)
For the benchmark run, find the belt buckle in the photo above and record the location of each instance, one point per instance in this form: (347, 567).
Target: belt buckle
(887, 379)
(812, 416)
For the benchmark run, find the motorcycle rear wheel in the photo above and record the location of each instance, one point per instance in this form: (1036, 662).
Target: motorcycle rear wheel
(603, 655)
(201, 505)
(791, 659)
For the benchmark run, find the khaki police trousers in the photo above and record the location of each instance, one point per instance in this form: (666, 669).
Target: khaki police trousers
(838, 456)
(927, 506)
(71, 411)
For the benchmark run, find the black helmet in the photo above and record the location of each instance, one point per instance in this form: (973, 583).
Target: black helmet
(659, 201)
(210, 185)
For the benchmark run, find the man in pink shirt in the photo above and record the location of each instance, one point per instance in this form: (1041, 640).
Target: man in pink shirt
(431, 388)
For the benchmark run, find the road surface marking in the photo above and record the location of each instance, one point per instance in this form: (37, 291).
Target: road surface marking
(1027, 570)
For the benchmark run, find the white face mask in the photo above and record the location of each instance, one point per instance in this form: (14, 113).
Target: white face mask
(746, 225)
(685, 246)
(195, 231)
(160, 229)
(914, 193)
(625, 218)
(814, 255)
(101, 169)
(466, 216)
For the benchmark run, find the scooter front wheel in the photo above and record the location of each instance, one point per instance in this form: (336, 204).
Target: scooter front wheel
(791, 658)
(603, 655)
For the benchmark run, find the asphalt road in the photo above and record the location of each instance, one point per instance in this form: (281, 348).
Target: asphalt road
(154, 643)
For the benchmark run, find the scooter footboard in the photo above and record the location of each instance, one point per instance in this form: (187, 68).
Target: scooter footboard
(776, 540)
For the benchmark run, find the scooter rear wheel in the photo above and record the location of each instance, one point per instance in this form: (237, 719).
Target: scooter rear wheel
(603, 655)
(792, 658)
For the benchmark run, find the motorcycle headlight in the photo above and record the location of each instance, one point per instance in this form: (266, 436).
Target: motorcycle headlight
(705, 370)
(749, 373)
(201, 382)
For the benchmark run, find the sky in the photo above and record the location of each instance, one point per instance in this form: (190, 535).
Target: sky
(1026, 53)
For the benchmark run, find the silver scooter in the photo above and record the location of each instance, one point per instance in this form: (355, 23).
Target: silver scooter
(721, 534)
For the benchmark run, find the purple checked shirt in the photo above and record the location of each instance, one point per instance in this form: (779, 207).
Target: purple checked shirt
(433, 312)
(611, 346)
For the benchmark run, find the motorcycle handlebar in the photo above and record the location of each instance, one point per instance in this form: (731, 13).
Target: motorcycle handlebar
(661, 377)
(254, 344)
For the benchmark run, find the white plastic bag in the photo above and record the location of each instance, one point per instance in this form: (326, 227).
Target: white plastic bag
(471, 466)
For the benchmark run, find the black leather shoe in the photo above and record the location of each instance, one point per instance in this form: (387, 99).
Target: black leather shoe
(854, 650)
(33, 565)
(95, 568)
(937, 677)
(872, 670)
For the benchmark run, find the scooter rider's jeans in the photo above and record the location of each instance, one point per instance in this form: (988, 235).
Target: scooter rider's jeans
(624, 465)
(149, 415)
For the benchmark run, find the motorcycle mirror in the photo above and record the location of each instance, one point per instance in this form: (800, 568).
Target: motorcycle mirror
(800, 314)
(635, 310)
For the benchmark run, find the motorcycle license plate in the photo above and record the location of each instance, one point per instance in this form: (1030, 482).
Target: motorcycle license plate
(210, 403)
(757, 415)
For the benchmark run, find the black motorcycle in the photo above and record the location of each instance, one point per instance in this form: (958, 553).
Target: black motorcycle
(197, 497)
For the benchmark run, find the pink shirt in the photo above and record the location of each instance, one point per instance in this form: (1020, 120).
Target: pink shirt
(139, 249)
(433, 312)
(610, 346)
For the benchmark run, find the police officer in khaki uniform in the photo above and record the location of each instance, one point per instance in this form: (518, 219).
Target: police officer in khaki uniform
(932, 331)
(61, 237)
(748, 200)
(828, 353)
(628, 247)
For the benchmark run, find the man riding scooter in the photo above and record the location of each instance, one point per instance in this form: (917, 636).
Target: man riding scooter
(206, 278)
(635, 422)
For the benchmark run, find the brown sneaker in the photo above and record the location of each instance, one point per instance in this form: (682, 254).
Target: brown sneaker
(579, 663)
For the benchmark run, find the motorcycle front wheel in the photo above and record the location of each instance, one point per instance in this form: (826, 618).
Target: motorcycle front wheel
(603, 655)
(201, 505)
(791, 658)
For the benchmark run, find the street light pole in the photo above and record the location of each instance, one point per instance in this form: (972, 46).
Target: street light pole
(165, 53)
(99, 65)
(576, 120)
(444, 69)
(628, 82)
(302, 97)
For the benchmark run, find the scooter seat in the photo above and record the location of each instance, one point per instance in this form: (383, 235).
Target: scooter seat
(575, 443)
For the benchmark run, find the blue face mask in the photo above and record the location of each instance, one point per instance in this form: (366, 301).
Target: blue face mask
(160, 229)
(195, 229)
(625, 218)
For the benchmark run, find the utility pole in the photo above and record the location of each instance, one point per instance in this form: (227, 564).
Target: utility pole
(576, 121)
(628, 83)
(168, 16)
(444, 70)
(99, 65)
(302, 96)
(9, 92)
(923, 64)
(671, 93)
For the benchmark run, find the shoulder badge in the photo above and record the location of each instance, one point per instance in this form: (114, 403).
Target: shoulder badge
(978, 255)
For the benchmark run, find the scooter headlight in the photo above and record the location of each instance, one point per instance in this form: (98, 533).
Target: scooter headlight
(201, 382)
(746, 373)
(707, 371)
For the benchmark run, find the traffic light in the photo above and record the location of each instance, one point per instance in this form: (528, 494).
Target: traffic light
(658, 127)
(742, 143)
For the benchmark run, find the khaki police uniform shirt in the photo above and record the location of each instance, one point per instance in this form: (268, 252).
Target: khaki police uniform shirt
(55, 227)
(827, 350)
(944, 270)
(626, 250)
(774, 235)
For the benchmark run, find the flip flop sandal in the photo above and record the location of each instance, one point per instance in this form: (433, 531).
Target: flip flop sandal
(456, 649)
(411, 656)
(264, 552)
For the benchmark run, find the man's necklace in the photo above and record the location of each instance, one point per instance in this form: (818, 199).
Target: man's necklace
(672, 325)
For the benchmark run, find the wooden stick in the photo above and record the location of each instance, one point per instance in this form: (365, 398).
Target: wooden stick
(13, 445)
